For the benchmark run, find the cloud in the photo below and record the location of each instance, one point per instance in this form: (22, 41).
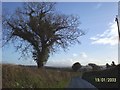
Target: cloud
(110, 36)
(82, 58)
(68, 62)
(75, 55)
(60, 63)
(83, 55)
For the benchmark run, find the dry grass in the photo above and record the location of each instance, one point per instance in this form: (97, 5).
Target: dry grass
(14, 76)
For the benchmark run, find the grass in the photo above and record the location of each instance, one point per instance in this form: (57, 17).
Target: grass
(107, 74)
(14, 76)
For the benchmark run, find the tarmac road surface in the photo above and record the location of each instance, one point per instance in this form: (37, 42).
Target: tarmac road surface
(77, 82)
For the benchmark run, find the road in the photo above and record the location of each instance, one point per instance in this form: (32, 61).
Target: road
(78, 82)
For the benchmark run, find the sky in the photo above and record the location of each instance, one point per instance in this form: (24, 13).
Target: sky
(99, 45)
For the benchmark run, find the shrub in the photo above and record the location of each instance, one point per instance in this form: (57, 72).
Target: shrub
(76, 66)
(94, 66)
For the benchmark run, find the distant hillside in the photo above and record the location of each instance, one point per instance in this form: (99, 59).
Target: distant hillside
(17, 76)
(109, 78)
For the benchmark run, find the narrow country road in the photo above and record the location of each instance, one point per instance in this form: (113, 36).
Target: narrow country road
(78, 82)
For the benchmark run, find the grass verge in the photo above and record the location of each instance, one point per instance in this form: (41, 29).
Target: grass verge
(14, 76)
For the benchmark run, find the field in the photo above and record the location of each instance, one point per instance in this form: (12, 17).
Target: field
(14, 76)
(18, 76)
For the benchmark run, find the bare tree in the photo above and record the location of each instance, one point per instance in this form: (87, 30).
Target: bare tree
(38, 29)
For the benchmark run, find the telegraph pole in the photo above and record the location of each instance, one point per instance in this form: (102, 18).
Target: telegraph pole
(117, 20)
(118, 24)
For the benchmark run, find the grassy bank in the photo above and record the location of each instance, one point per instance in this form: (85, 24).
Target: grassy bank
(14, 76)
(108, 78)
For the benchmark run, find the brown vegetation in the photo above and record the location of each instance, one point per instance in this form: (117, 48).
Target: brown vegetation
(14, 76)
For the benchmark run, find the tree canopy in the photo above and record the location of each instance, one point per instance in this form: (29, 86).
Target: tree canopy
(76, 66)
(38, 28)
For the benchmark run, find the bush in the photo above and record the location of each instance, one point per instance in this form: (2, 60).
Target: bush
(76, 66)
(107, 65)
(94, 66)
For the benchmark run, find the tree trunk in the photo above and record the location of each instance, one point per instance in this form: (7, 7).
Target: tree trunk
(42, 57)
(39, 62)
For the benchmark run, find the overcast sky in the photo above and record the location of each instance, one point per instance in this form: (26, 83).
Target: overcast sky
(99, 45)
